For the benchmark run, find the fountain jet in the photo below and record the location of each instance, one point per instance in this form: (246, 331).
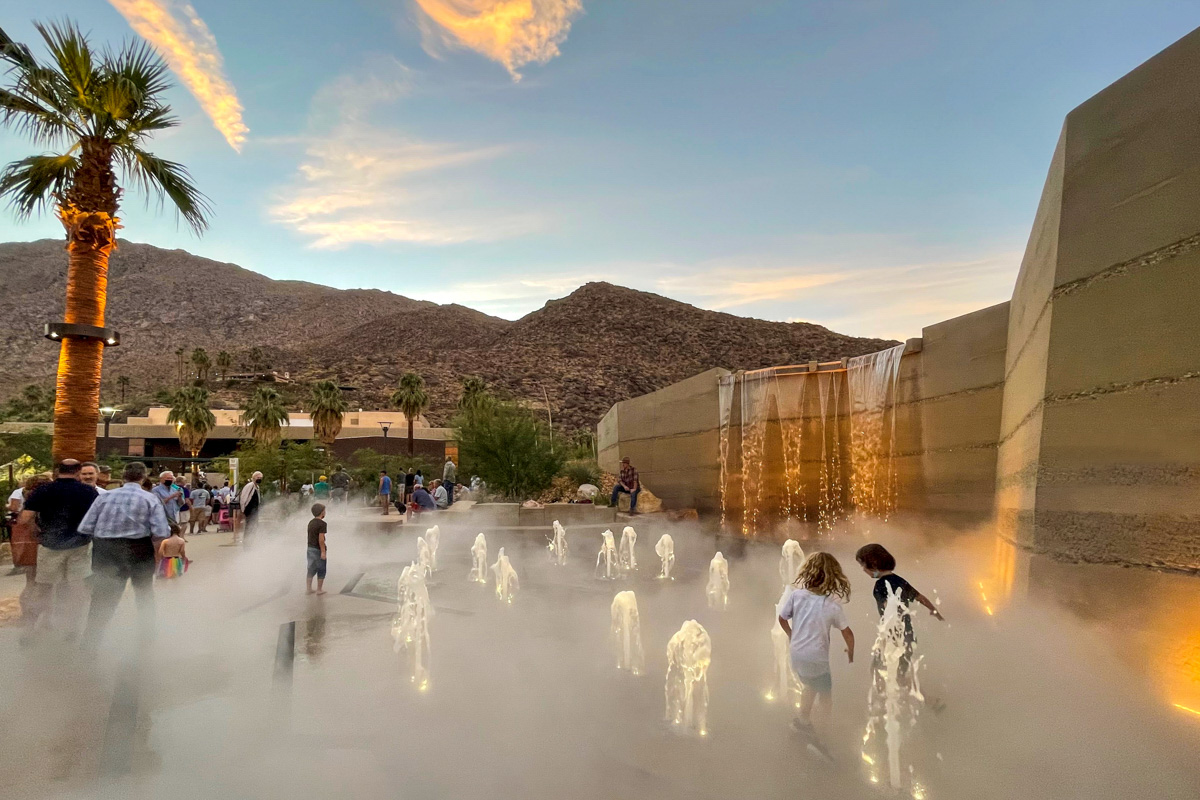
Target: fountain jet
(627, 633)
(895, 693)
(558, 544)
(424, 557)
(410, 627)
(718, 582)
(432, 536)
(479, 566)
(625, 555)
(506, 578)
(790, 563)
(689, 654)
(665, 549)
(606, 559)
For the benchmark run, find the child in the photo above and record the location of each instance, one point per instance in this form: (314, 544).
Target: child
(172, 555)
(317, 563)
(877, 562)
(806, 614)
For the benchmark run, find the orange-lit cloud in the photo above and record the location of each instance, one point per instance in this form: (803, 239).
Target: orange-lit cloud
(190, 49)
(512, 32)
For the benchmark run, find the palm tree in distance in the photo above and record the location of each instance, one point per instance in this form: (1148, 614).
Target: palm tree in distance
(327, 408)
(122, 384)
(474, 393)
(96, 111)
(224, 362)
(192, 420)
(411, 399)
(201, 362)
(179, 359)
(265, 415)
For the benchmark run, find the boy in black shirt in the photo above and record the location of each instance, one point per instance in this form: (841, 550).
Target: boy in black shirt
(317, 562)
(877, 562)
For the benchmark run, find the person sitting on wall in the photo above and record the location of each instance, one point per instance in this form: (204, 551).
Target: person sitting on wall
(423, 500)
(628, 483)
(441, 497)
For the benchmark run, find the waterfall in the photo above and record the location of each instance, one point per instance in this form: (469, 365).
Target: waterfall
(873, 381)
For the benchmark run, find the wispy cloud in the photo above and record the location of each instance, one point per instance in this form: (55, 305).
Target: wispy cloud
(191, 51)
(512, 32)
(360, 181)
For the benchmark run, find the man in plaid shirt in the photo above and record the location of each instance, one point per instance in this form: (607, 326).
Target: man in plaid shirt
(122, 524)
(628, 483)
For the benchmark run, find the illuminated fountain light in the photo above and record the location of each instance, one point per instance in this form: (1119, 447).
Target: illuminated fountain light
(627, 633)
(717, 590)
(606, 559)
(410, 627)
(432, 536)
(506, 578)
(689, 653)
(424, 557)
(785, 686)
(790, 563)
(895, 693)
(479, 565)
(558, 544)
(626, 558)
(665, 549)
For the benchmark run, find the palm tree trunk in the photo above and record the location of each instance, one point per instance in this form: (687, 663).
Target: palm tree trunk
(91, 238)
(410, 436)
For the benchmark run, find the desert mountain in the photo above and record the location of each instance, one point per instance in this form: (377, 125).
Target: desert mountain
(582, 353)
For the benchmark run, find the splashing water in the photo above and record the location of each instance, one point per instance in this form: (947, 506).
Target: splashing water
(627, 633)
(625, 555)
(424, 557)
(790, 562)
(432, 536)
(410, 628)
(665, 549)
(479, 565)
(606, 560)
(785, 686)
(506, 578)
(689, 654)
(558, 544)
(895, 691)
(718, 582)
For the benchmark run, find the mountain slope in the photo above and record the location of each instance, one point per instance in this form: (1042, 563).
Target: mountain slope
(582, 353)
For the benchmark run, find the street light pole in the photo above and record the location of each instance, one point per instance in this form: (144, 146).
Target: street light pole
(385, 425)
(108, 412)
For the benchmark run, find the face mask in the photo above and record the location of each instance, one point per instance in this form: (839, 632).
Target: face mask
(257, 481)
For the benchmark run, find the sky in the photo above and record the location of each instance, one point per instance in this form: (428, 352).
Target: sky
(868, 165)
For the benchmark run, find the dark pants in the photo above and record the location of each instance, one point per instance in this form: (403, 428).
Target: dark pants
(632, 496)
(115, 563)
(449, 494)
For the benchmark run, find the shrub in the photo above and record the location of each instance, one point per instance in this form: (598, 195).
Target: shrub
(509, 447)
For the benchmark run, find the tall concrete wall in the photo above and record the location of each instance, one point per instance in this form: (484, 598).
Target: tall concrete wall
(1101, 452)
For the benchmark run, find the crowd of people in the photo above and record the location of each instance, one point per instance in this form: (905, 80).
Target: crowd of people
(410, 495)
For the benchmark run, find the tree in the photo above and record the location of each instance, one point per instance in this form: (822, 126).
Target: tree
(509, 447)
(123, 384)
(192, 420)
(265, 416)
(96, 110)
(474, 393)
(411, 399)
(179, 360)
(34, 404)
(327, 408)
(257, 359)
(224, 362)
(201, 362)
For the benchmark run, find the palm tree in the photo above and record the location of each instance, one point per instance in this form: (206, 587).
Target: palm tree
(412, 400)
(179, 358)
(257, 359)
(96, 110)
(192, 420)
(123, 384)
(201, 362)
(224, 362)
(474, 393)
(265, 415)
(328, 406)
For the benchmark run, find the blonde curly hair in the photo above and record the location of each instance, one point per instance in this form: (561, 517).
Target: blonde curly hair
(822, 574)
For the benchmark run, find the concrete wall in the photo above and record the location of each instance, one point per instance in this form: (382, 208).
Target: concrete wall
(1101, 457)
(672, 437)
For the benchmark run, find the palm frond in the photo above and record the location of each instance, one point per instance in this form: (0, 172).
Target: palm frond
(141, 67)
(15, 53)
(167, 179)
(72, 55)
(31, 183)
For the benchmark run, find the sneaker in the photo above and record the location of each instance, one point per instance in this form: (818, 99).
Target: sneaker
(801, 727)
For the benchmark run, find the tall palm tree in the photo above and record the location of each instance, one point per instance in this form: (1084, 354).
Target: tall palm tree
(201, 362)
(265, 415)
(412, 399)
(193, 420)
(327, 408)
(474, 393)
(224, 362)
(257, 359)
(123, 384)
(179, 358)
(95, 111)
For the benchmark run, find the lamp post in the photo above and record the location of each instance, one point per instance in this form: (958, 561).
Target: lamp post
(108, 412)
(386, 424)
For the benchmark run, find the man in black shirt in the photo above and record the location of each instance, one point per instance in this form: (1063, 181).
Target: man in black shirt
(317, 563)
(64, 554)
(341, 485)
